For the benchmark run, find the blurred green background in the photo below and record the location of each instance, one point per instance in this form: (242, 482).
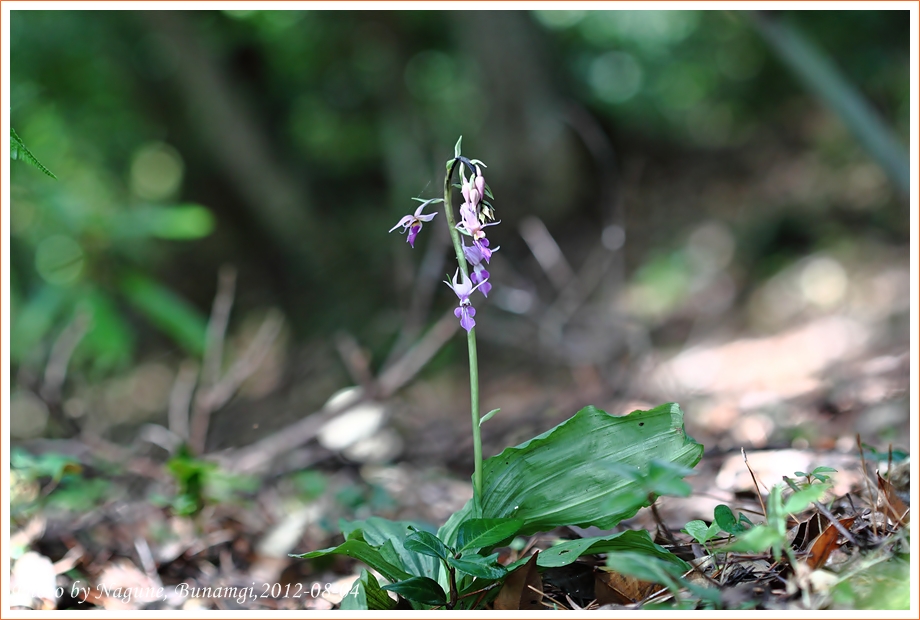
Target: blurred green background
(286, 144)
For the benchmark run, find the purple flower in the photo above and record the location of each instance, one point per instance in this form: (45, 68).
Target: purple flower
(483, 246)
(464, 288)
(413, 223)
(470, 224)
(480, 275)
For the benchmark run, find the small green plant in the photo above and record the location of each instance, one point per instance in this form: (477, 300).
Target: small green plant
(772, 534)
(819, 473)
(724, 520)
(201, 482)
(591, 470)
(57, 481)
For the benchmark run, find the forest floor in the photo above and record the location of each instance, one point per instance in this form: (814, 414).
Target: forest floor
(809, 384)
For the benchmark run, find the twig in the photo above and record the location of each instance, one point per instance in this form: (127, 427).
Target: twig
(59, 357)
(150, 567)
(217, 326)
(210, 400)
(756, 485)
(426, 281)
(355, 359)
(545, 595)
(872, 498)
(545, 249)
(830, 517)
(249, 363)
(661, 523)
(574, 294)
(180, 398)
(56, 370)
(415, 358)
(258, 454)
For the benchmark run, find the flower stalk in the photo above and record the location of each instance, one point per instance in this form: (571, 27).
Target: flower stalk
(475, 214)
(470, 338)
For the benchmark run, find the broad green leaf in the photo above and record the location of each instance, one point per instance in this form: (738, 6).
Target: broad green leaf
(366, 593)
(800, 500)
(701, 532)
(563, 477)
(481, 533)
(169, 312)
(667, 479)
(725, 519)
(484, 567)
(19, 151)
(420, 590)
(361, 550)
(378, 532)
(426, 544)
(823, 470)
(633, 541)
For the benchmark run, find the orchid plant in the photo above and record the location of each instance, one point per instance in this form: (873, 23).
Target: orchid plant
(594, 469)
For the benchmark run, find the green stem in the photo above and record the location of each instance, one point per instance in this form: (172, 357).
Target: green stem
(470, 339)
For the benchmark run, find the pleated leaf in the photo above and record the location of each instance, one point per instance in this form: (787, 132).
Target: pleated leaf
(564, 476)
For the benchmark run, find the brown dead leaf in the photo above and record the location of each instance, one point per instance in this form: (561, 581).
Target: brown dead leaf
(808, 530)
(611, 587)
(515, 593)
(826, 543)
(890, 503)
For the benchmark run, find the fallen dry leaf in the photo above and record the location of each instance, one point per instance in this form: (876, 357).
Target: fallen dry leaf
(890, 503)
(826, 543)
(515, 593)
(611, 587)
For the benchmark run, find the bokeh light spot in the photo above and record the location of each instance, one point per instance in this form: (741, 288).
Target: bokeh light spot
(59, 259)
(156, 171)
(615, 77)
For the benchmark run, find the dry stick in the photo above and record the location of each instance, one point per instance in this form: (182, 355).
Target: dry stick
(355, 359)
(872, 499)
(56, 369)
(213, 356)
(147, 562)
(258, 454)
(59, 358)
(216, 397)
(427, 280)
(661, 524)
(830, 517)
(888, 471)
(545, 595)
(217, 326)
(574, 294)
(180, 398)
(756, 485)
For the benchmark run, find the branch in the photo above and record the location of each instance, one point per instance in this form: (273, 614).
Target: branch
(257, 455)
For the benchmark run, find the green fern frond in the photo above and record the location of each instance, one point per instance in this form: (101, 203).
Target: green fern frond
(18, 150)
